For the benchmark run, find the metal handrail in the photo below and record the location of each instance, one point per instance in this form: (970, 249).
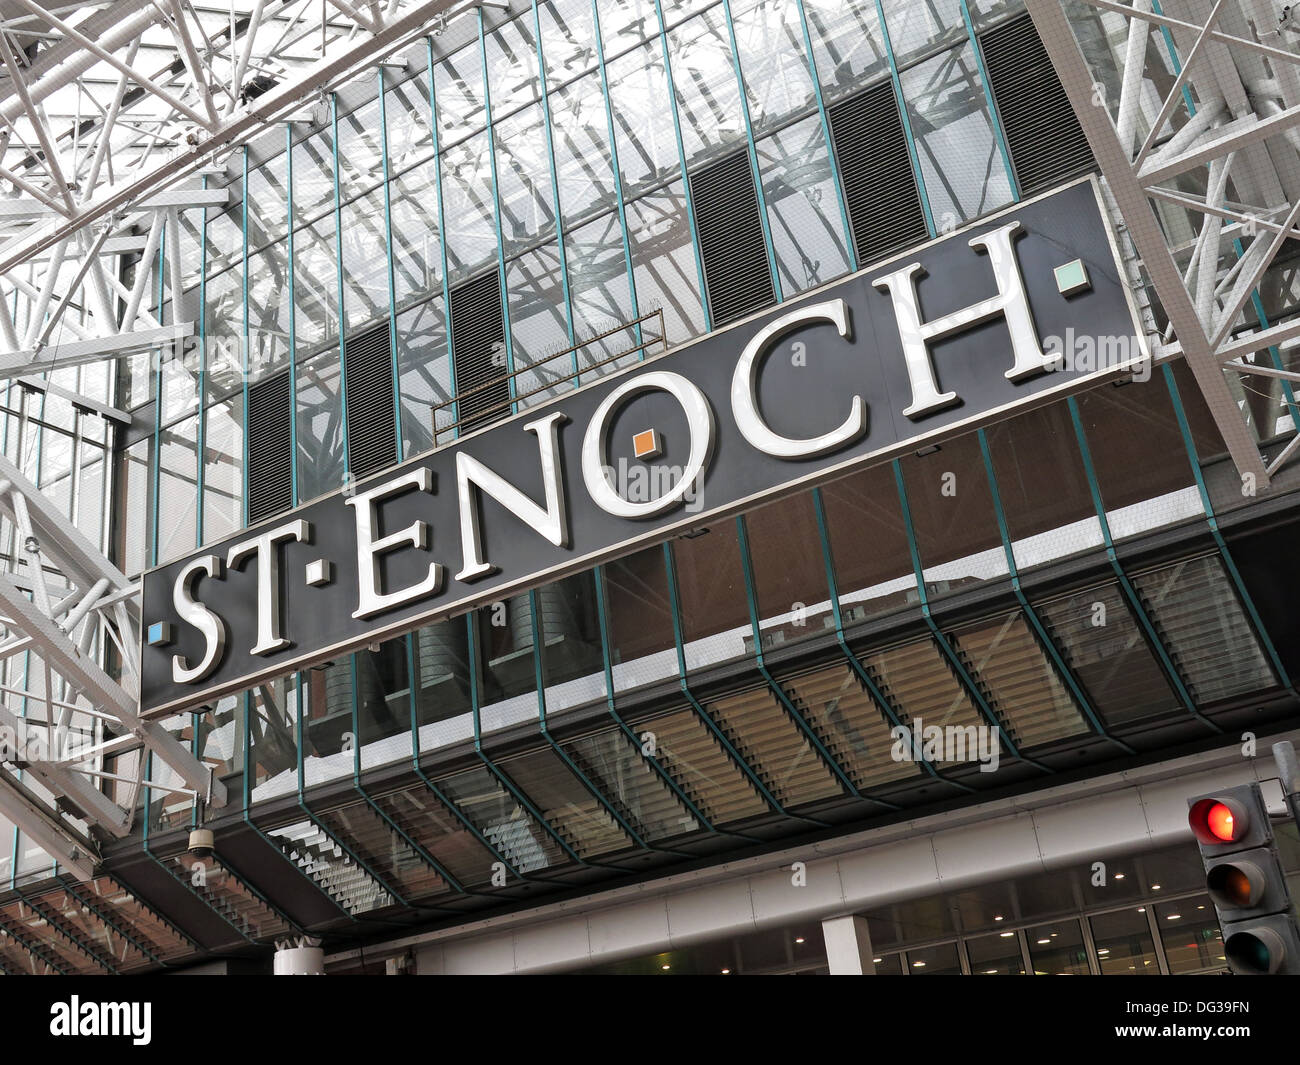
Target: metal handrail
(647, 339)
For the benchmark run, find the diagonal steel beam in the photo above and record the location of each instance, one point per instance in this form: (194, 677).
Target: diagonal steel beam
(1148, 238)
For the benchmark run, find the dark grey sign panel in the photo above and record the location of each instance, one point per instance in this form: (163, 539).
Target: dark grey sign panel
(1017, 309)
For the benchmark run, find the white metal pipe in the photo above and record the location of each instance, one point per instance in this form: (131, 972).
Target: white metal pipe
(1130, 93)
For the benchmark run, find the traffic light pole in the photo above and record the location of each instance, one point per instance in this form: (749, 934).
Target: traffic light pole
(1288, 769)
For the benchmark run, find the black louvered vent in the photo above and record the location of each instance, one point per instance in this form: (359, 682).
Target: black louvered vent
(736, 274)
(478, 337)
(880, 190)
(270, 450)
(372, 418)
(1046, 142)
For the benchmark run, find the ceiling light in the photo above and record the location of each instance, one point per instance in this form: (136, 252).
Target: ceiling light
(726, 972)
(665, 967)
(1044, 942)
(799, 939)
(1005, 935)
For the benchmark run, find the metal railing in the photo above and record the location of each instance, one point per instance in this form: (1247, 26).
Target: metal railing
(645, 340)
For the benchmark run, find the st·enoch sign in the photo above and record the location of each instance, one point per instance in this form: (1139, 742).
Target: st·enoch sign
(948, 335)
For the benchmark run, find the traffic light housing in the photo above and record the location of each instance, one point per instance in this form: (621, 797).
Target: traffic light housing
(1245, 880)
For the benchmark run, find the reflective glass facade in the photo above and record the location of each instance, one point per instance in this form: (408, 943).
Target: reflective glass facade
(1060, 575)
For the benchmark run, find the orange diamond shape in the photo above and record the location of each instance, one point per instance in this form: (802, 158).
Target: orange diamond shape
(645, 444)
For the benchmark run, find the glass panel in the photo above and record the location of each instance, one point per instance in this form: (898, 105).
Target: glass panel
(424, 372)
(313, 177)
(568, 38)
(223, 469)
(268, 311)
(688, 751)
(802, 207)
(458, 90)
(538, 328)
(639, 619)
(268, 202)
(442, 835)
(417, 250)
(1190, 934)
(566, 804)
(508, 678)
(497, 814)
(511, 65)
(643, 125)
(873, 565)
(850, 723)
(1104, 647)
(1004, 656)
(329, 721)
(711, 596)
(789, 585)
(320, 427)
(769, 38)
(1124, 946)
(365, 260)
(598, 291)
(1196, 612)
(580, 134)
(373, 840)
(780, 752)
(361, 158)
(848, 46)
(615, 765)
(406, 110)
(663, 256)
(177, 490)
(383, 685)
(467, 199)
(1057, 949)
(708, 98)
(223, 328)
(953, 517)
(442, 683)
(523, 180)
(1159, 490)
(573, 666)
(919, 683)
(940, 960)
(315, 286)
(995, 955)
(918, 28)
(964, 173)
(1043, 487)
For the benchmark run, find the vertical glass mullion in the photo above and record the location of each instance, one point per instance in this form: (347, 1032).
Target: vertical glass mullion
(555, 192)
(966, 681)
(753, 153)
(602, 616)
(1130, 594)
(496, 212)
(1031, 615)
(201, 423)
(475, 676)
(858, 669)
(751, 601)
(1212, 522)
(618, 178)
(442, 242)
(681, 156)
(836, 176)
(994, 119)
(561, 753)
(907, 122)
(388, 255)
(155, 372)
(338, 272)
(745, 768)
(243, 355)
(293, 322)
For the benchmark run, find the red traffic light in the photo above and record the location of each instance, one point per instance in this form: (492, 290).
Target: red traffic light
(1218, 820)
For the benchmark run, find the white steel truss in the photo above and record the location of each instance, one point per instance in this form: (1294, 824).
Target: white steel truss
(111, 114)
(1192, 110)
